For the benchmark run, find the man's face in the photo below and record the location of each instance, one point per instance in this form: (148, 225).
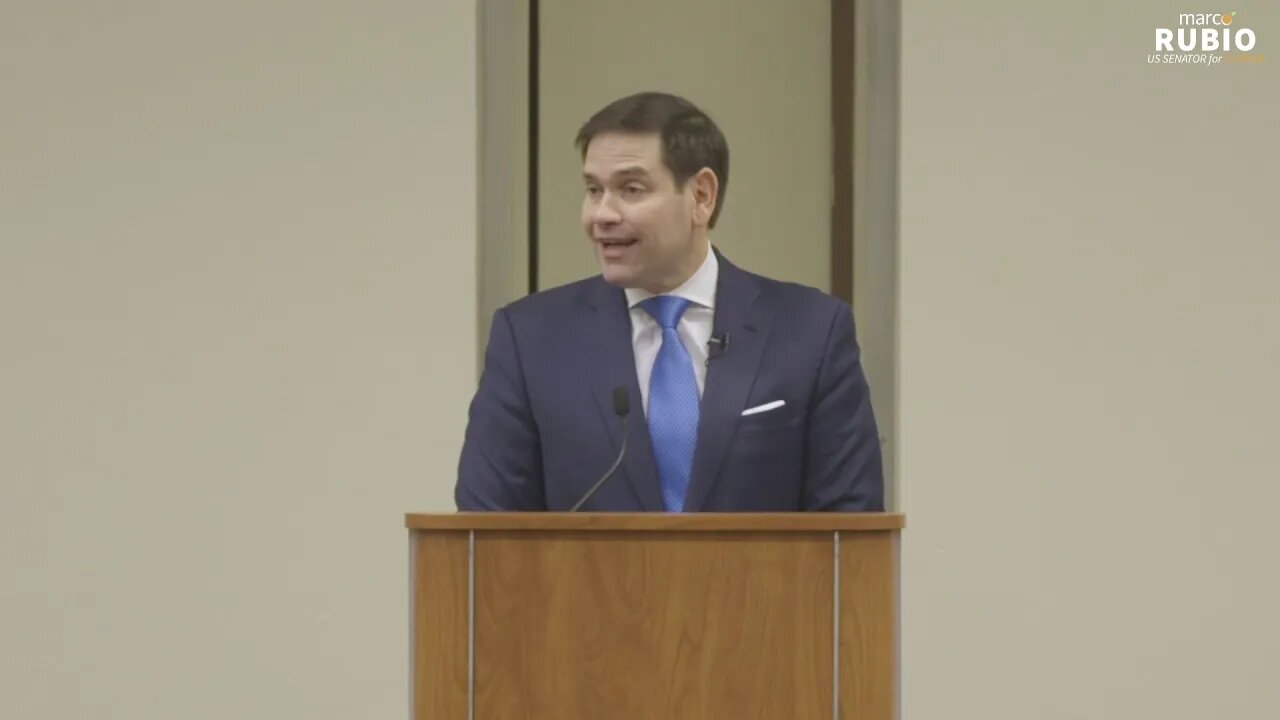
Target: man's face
(646, 232)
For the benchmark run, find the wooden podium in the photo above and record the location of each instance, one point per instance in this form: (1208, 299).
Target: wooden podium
(615, 616)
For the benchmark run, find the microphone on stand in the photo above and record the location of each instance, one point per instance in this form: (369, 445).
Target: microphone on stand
(621, 407)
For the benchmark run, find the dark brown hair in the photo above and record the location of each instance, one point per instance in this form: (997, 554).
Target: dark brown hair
(690, 139)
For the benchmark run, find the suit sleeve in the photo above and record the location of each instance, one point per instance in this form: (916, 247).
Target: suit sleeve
(843, 468)
(501, 463)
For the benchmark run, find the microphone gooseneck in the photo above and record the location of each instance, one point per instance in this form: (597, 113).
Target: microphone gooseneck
(621, 407)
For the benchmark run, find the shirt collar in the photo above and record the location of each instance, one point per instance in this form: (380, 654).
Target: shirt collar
(700, 288)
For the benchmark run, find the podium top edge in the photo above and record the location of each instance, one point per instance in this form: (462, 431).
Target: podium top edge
(682, 522)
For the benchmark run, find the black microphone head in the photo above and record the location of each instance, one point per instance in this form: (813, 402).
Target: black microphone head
(621, 401)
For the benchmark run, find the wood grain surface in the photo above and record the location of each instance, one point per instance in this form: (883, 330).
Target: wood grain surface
(440, 625)
(869, 626)
(622, 626)
(685, 522)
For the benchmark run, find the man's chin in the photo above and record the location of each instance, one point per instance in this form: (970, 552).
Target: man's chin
(618, 276)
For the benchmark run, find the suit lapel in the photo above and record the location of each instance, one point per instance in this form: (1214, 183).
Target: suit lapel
(745, 322)
(613, 365)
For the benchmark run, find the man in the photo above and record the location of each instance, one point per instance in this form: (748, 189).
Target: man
(747, 394)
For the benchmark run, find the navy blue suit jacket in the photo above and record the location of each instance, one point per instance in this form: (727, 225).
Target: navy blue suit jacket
(542, 428)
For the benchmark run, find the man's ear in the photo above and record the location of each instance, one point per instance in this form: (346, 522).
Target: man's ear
(706, 193)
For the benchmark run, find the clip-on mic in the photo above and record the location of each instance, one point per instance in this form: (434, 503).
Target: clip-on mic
(717, 346)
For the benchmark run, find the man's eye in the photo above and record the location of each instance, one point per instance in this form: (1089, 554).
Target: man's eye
(593, 191)
(634, 189)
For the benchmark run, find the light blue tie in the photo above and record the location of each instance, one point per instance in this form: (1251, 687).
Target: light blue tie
(673, 403)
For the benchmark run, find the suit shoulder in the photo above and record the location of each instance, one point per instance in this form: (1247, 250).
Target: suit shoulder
(552, 302)
(803, 298)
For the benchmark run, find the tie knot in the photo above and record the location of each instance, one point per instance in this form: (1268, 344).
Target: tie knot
(666, 309)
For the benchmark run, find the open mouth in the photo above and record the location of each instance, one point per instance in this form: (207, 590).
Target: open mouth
(614, 243)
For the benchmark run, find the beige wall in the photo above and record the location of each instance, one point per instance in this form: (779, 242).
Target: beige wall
(237, 294)
(875, 214)
(503, 89)
(1088, 358)
(231, 239)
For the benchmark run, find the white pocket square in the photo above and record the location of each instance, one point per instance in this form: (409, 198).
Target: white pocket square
(764, 408)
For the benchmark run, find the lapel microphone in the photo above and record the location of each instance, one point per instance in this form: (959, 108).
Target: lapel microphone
(717, 346)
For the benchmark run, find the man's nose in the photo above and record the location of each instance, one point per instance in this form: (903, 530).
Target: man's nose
(606, 213)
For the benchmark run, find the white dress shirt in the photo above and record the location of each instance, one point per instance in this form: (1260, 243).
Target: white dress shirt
(694, 328)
